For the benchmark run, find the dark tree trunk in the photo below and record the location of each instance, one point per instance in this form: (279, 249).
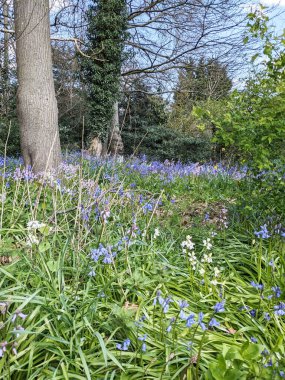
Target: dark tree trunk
(36, 101)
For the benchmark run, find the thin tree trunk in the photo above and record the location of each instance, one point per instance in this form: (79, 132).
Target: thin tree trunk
(6, 56)
(36, 101)
(116, 146)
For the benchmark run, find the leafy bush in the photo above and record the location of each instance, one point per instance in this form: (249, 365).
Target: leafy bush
(163, 143)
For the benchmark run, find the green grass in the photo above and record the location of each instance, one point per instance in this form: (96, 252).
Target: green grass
(75, 321)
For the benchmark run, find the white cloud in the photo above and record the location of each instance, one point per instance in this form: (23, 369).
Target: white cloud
(281, 3)
(57, 4)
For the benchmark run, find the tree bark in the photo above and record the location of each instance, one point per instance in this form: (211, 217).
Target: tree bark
(116, 146)
(36, 101)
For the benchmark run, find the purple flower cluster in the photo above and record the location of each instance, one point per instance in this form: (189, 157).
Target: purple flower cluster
(106, 253)
(263, 233)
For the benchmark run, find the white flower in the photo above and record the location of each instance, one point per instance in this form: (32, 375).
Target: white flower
(156, 233)
(217, 272)
(207, 244)
(202, 271)
(32, 239)
(193, 259)
(214, 282)
(3, 197)
(34, 225)
(188, 243)
(207, 258)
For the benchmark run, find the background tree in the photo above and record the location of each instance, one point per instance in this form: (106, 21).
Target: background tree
(102, 68)
(204, 83)
(36, 101)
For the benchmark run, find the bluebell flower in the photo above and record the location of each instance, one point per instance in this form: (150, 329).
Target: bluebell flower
(253, 339)
(165, 305)
(257, 286)
(182, 304)
(265, 352)
(147, 207)
(3, 348)
(277, 291)
(92, 273)
(279, 309)
(214, 323)
(253, 313)
(124, 346)
(263, 233)
(269, 363)
(143, 339)
(266, 316)
(190, 320)
(169, 328)
(200, 321)
(219, 307)
(182, 315)
(282, 373)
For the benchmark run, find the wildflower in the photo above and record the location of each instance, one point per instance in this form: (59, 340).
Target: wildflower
(143, 339)
(214, 282)
(156, 233)
(182, 304)
(3, 308)
(3, 348)
(31, 239)
(207, 244)
(207, 258)
(253, 313)
(92, 273)
(147, 207)
(265, 352)
(217, 272)
(253, 340)
(35, 225)
(200, 321)
(266, 316)
(158, 298)
(165, 305)
(202, 271)
(257, 286)
(277, 291)
(14, 350)
(214, 323)
(169, 328)
(263, 233)
(192, 259)
(190, 320)
(282, 373)
(17, 329)
(124, 346)
(269, 363)
(219, 307)
(279, 309)
(18, 313)
(188, 243)
(271, 263)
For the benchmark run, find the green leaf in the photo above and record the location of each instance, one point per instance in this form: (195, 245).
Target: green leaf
(251, 352)
(44, 246)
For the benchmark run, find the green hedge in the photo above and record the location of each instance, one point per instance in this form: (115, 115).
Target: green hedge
(164, 143)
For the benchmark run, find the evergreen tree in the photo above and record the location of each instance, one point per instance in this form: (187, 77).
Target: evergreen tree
(206, 82)
(107, 20)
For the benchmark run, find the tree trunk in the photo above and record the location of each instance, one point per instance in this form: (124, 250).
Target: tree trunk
(116, 146)
(36, 101)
